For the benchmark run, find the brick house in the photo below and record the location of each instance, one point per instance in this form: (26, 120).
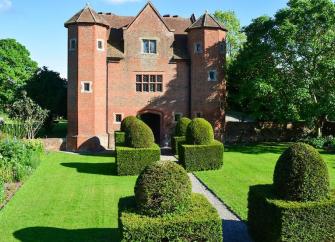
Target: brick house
(157, 67)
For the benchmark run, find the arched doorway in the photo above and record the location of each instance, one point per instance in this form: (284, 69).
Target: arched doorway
(153, 120)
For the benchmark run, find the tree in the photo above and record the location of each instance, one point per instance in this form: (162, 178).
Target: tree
(49, 91)
(16, 67)
(28, 114)
(286, 71)
(235, 37)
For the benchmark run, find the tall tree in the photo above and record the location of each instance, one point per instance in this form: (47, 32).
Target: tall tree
(16, 67)
(286, 71)
(235, 36)
(49, 91)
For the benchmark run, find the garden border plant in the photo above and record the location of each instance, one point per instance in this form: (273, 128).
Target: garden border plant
(201, 151)
(164, 208)
(298, 206)
(179, 134)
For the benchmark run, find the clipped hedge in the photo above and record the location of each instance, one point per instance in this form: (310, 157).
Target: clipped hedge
(270, 219)
(2, 190)
(199, 132)
(176, 142)
(301, 174)
(161, 188)
(181, 126)
(131, 161)
(202, 157)
(127, 122)
(139, 135)
(200, 223)
(119, 138)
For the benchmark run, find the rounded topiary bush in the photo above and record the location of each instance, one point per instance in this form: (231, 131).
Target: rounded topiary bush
(301, 174)
(139, 135)
(163, 187)
(199, 132)
(126, 122)
(181, 126)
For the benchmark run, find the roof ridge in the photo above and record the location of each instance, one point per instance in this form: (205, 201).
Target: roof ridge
(92, 14)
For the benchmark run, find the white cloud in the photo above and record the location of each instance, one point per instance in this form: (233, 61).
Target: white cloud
(5, 5)
(121, 1)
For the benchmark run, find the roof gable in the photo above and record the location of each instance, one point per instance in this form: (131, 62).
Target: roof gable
(87, 15)
(150, 5)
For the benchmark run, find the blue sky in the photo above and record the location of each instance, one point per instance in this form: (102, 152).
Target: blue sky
(39, 25)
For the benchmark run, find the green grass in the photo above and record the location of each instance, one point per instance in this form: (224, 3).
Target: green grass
(58, 131)
(68, 198)
(244, 166)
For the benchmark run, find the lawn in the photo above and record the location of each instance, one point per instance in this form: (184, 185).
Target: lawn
(58, 131)
(68, 198)
(246, 166)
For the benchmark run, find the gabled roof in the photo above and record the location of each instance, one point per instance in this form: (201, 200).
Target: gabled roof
(87, 15)
(206, 21)
(149, 4)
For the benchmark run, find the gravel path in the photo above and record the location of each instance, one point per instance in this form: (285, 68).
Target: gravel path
(234, 230)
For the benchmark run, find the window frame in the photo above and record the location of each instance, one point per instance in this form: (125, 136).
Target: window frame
(102, 43)
(83, 83)
(215, 75)
(196, 51)
(71, 48)
(174, 116)
(149, 83)
(115, 118)
(150, 40)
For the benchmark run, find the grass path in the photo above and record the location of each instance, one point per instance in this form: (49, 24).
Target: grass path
(68, 198)
(247, 166)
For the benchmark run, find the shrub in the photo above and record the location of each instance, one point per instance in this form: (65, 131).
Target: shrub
(181, 126)
(301, 174)
(18, 158)
(2, 190)
(126, 122)
(120, 138)
(131, 161)
(199, 132)
(139, 135)
(200, 223)
(176, 142)
(201, 157)
(275, 220)
(163, 187)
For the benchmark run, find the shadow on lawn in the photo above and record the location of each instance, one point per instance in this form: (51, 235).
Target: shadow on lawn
(49, 234)
(106, 169)
(276, 148)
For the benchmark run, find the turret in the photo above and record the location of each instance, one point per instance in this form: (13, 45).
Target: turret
(206, 44)
(87, 48)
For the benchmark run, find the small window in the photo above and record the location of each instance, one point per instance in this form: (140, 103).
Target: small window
(145, 87)
(177, 117)
(159, 78)
(159, 88)
(198, 48)
(86, 87)
(212, 75)
(117, 118)
(73, 44)
(100, 44)
(149, 46)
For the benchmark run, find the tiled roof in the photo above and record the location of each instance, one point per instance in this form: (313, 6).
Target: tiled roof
(86, 15)
(207, 21)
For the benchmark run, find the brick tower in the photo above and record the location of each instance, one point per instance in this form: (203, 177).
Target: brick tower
(87, 48)
(206, 44)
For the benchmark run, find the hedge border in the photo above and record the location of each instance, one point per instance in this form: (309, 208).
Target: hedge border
(270, 219)
(200, 223)
(176, 142)
(119, 138)
(131, 161)
(201, 157)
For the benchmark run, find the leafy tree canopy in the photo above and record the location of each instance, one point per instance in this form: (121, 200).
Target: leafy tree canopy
(286, 70)
(16, 67)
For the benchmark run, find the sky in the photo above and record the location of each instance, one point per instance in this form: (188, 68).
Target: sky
(39, 25)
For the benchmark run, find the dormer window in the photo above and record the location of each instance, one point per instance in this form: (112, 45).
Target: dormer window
(149, 46)
(212, 76)
(100, 44)
(73, 44)
(198, 48)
